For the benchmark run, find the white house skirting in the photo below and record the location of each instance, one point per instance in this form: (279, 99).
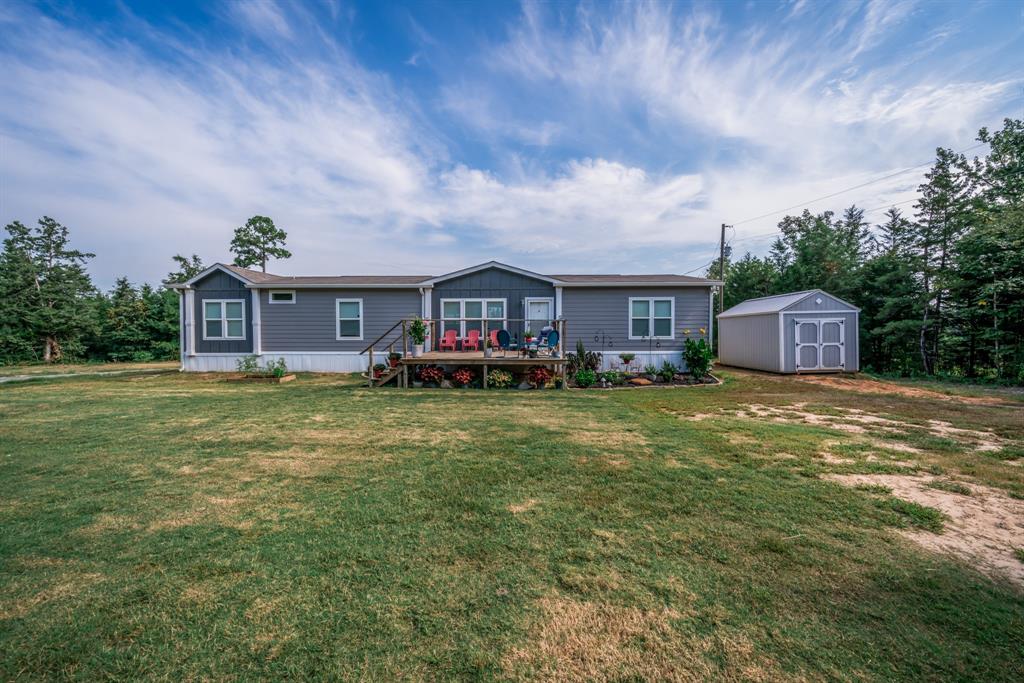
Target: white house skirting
(297, 362)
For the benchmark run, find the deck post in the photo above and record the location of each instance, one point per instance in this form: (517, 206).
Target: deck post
(485, 376)
(405, 342)
(369, 369)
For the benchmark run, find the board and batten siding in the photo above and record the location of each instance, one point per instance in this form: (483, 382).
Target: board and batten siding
(600, 317)
(828, 303)
(750, 341)
(310, 324)
(220, 285)
(493, 283)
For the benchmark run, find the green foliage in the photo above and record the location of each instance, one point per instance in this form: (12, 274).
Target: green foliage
(582, 359)
(916, 515)
(418, 330)
(613, 377)
(188, 268)
(585, 378)
(250, 365)
(538, 376)
(258, 240)
(47, 301)
(668, 371)
(650, 369)
(698, 356)
(500, 379)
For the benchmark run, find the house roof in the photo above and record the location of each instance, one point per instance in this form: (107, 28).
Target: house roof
(774, 304)
(257, 278)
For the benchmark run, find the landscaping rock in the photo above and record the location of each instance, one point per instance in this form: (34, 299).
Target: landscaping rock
(640, 382)
(525, 385)
(446, 384)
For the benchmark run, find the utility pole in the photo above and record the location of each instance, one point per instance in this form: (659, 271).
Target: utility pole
(721, 269)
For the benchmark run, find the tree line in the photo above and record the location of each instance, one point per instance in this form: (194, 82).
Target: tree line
(940, 288)
(50, 311)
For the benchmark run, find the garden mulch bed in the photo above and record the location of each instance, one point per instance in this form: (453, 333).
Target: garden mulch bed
(261, 379)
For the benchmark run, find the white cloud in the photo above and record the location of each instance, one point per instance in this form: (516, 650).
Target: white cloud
(262, 16)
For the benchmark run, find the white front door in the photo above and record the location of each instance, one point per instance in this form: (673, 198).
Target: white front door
(820, 344)
(538, 314)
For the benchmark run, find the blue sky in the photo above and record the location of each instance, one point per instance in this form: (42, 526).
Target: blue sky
(422, 137)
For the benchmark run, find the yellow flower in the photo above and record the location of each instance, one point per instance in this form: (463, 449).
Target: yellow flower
(703, 331)
(982, 303)
(687, 331)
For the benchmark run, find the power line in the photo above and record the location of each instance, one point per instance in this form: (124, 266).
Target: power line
(849, 189)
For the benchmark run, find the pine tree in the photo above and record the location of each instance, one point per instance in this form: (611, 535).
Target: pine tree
(188, 268)
(46, 291)
(258, 240)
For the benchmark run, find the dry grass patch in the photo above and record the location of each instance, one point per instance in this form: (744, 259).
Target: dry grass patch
(983, 529)
(67, 584)
(519, 508)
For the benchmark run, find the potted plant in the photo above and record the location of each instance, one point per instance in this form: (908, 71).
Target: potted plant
(378, 370)
(499, 379)
(393, 358)
(538, 376)
(418, 334)
(488, 351)
(627, 359)
(528, 336)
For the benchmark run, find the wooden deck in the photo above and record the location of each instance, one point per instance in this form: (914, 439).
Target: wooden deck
(477, 358)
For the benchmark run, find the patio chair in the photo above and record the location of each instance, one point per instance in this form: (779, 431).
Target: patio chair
(448, 340)
(472, 341)
(493, 334)
(505, 342)
(549, 344)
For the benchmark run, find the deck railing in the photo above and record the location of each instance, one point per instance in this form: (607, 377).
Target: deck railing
(435, 331)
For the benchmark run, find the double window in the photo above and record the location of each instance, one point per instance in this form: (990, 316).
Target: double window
(223, 319)
(463, 315)
(350, 318)
(651, 318)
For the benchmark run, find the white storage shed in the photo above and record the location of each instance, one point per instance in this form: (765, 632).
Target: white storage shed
(810, 331)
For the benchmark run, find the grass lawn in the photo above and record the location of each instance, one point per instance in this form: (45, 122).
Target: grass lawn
(181, 527)
(80, 368)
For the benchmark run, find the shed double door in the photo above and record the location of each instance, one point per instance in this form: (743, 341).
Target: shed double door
(820, 344)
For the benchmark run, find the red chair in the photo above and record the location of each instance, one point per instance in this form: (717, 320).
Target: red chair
(472, 341)
(448, 341)
(494, 339)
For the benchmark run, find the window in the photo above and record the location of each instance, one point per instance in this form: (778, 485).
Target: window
(223, 319)
(282, 296)
(350, 318)
(463, 315)
(651, 318)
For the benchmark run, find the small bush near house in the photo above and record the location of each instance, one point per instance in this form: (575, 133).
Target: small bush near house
(585, 378)
(697, 354)
(499, 379)
(250, 365)
(462, 377)
(538, 376)
(613, 377)
(277, 368)
(668, 371)
(582, 359)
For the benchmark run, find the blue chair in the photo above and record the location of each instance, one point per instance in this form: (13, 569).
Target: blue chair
(549, 344)
(505, 341)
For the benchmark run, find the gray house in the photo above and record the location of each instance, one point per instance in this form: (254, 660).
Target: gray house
(327, 323)
(810, 331)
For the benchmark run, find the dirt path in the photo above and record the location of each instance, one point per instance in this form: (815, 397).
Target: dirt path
(62, 375)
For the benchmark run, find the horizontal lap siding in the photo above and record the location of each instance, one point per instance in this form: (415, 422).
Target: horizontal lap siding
(750, 341)
(220, 285)
(600, 317)
(310, 324)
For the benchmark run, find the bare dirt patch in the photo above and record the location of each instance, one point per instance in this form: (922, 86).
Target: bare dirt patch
(856, 421)
(873, 386)
(983, 528)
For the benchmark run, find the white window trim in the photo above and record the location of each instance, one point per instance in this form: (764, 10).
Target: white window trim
(462, 312)
(651, 317)
(338, 319)
(272, 292)
(223, 319)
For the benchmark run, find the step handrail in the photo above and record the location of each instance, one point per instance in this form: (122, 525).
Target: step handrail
(381, 337)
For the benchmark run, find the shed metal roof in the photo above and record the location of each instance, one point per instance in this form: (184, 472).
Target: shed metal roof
(773, 304)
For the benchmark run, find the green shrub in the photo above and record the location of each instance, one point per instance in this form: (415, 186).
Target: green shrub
(250, 365)
(499, 379)
(697, 354)
(585, 378)
(668, 371)
(613, 377)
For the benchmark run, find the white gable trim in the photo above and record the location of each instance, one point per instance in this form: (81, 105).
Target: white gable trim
(485, 266)
(812, 293)
(215, 267)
